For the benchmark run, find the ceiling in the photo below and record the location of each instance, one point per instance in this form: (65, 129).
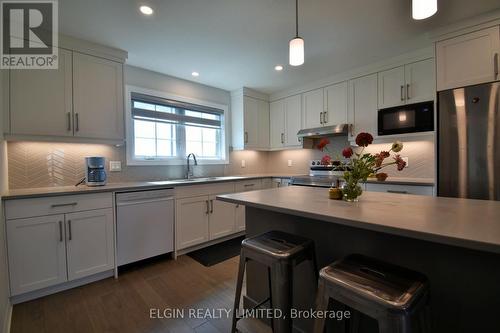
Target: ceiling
(235, 43)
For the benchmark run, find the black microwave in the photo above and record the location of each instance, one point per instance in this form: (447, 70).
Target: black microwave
(410, 118)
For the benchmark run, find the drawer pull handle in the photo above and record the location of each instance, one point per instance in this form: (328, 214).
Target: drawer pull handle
(398, 192)
(69, 230)
(60, 231)
(248, 185)
(64, 205)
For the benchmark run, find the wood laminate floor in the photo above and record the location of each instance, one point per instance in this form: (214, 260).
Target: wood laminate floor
(123, 305)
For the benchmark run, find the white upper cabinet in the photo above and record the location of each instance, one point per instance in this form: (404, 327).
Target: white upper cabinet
(293, 121)
(420, 82)
(391, 87)
(411, 83)
(313, 108)
(41, 100)
(277, 124)
(250, 122)
(98, 97)
(468, 59)
(362, 111)
(336, 104)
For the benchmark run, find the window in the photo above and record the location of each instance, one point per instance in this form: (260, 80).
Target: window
(166, 130)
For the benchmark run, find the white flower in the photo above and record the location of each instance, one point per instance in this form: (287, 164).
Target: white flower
(397, 146)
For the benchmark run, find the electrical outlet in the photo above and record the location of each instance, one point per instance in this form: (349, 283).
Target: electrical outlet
(243, 163)
(406, 160)
(290, 163)
(115, 166)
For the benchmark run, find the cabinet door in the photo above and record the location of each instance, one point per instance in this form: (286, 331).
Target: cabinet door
(391, 87)
(41, 100)
(37, 255)
(313, 107)
(263, 127)
(89, 242)
(191, 221)
(293, 118)
(277, 124)
(240, 217)
(251, 122)
(222, 218)
(336, 104)
(419, 77)
(468, 59)
(363, 105)
(98, 97)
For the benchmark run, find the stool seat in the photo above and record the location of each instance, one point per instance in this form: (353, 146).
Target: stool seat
(277, 244)
(389, 285)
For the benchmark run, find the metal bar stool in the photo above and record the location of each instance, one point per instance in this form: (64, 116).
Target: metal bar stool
(396, 297)
(280, 252)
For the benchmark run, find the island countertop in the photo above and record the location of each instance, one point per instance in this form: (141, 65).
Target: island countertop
(467, 223)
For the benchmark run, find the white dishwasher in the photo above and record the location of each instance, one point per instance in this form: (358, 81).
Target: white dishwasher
(145, 224)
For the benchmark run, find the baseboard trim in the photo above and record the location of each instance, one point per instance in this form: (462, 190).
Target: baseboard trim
(61, 287)
(7, 318)
(209, 243)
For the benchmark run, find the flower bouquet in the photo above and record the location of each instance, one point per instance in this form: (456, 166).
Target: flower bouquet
(358, 165)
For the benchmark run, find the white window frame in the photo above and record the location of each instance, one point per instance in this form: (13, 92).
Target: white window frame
(129, 128)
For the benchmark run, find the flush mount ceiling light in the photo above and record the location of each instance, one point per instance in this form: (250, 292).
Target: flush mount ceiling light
(195, 74)
(422, 9)
(146, 10)
(296, 52)
(278, 68)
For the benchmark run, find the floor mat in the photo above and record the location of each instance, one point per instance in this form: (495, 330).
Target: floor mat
(217, 253)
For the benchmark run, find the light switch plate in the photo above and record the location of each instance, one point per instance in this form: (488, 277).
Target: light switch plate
(115, 166)
(243, 163)
(290, 163)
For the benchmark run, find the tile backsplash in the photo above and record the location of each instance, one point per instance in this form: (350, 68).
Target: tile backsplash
(42, 164)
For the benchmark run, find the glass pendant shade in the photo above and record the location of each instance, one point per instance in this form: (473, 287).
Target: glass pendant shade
(296, 51)
(422, 9)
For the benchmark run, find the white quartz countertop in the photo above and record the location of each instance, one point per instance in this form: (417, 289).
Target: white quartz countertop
(473, 224)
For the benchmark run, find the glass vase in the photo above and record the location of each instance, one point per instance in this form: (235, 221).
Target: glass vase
(351, 191)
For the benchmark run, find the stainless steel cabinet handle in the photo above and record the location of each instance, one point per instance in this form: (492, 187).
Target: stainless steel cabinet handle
(246, 137)
(282, 138)
(495, 65)
(69, 120)
(60, 231)
(248, 185)
(399, 192)
(70, 235)
(77, 121)
(211, 206)
(321, 117)
(402, 93)
(64, 205)
(408, 91)
(208, 209)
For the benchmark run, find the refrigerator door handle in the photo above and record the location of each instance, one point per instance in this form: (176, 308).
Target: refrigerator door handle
(495, 65)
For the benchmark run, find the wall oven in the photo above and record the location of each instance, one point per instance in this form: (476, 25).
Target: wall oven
(408, 118)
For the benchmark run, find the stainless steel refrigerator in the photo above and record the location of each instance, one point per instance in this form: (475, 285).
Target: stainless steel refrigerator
(469, 142)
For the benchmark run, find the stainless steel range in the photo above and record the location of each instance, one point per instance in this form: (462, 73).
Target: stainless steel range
(319, 176)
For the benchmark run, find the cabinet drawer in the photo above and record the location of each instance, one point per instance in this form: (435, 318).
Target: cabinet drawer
(248, 185)
(401, 189)
(203, 189)
(22, 208)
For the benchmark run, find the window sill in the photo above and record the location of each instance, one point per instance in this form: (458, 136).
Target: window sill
(134, 162)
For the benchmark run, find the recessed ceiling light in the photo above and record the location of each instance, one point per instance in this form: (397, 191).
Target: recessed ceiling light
(146, 10)
(278, 68)
(195, 74)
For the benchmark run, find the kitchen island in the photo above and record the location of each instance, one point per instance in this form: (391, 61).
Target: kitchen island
(454, 242)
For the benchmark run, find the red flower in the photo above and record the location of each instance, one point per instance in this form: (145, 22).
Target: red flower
(364, 139)
(347, 152)
(322, 144)
(379, 158)
(399, 162)
(326, 160)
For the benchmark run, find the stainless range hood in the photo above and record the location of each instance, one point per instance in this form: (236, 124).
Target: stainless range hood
(319, 132)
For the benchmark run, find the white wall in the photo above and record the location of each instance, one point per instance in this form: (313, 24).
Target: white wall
(5, 308)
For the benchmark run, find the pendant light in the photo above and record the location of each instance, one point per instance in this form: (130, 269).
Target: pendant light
(422, 9)
(296, 44)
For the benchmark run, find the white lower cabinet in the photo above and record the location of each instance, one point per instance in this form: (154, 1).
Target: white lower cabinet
(222, 218)
(240, 218)
(401, 189)
(37, 253)
(89, 242)
(191, 221)
(47, 250)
